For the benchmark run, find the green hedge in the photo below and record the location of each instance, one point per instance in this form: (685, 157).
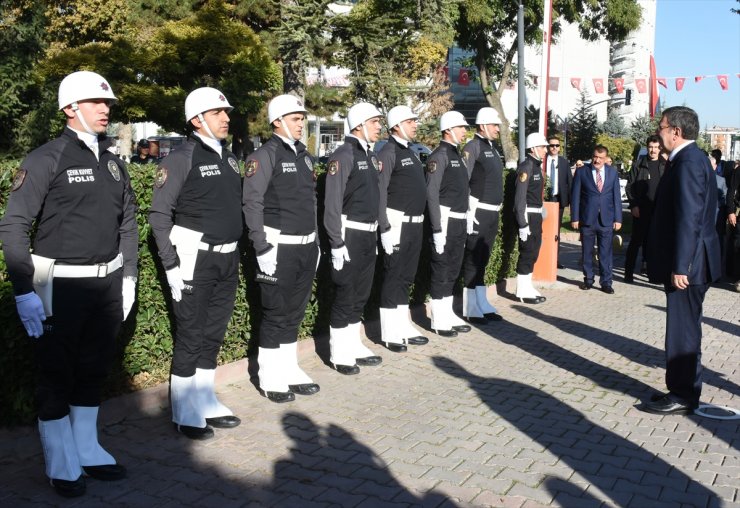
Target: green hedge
(145, 342)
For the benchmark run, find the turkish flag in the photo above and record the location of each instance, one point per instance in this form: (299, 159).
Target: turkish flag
(464, 77)
(679, 84)
(575, 83)
(619, 83)
(698, 78)
(663, 82)
(599, 85)
(554, 84)
(641, 85)
(654, 95)
(723, 81)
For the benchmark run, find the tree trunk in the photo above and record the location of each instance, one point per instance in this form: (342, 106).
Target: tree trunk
(239, 134)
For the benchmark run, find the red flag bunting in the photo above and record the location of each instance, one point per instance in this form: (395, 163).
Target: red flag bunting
(723, 81)
(662, 82)
(554, 84)
(641, 85)
(599, 85)
(679, 84)
(575, 83)
(619, 83)
(698, 78)
(464, 77)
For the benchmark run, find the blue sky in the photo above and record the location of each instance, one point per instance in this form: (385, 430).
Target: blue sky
(695, 38)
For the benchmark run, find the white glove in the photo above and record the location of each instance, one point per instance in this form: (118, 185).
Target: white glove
(268, 261)
(129, 295)
(387, 240)
(439, 242)
(174, 279)
(524, 233)
(31, 312)
(471, 221)
(339, 256)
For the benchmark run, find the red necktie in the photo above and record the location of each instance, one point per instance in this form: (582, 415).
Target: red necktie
(599, 181)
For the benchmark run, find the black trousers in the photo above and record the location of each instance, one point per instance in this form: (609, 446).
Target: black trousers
(478, 247)
(603, 235)
(640, 229)
(75, 351)
(530, 249)
(284, 303)
(399, 269)
(355, 280)
(446, 266)
(203, 314)
(683, 341)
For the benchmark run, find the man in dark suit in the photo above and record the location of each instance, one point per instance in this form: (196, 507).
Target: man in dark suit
(683, 254)
(559, 180)
(596, 209)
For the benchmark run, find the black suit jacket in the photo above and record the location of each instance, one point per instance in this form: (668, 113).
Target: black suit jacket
(565, 181)
(683, 238)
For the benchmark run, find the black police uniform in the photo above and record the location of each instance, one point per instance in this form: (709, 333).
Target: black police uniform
(199, 189)
(85, 214)
(402, 189)
(447, 186)
(528, 195)
(351, 220)
(641, 188)
(279, 193)
(487, 186)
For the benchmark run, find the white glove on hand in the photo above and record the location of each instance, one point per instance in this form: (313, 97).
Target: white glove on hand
(31, 312)
(174, 279)
(471, 221)
(387, 240)
(439, 242)
(524, 233)
(129, 295)
(268, 261)
(339, 256)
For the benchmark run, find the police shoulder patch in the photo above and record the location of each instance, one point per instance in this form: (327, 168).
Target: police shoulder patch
(431, 166)
(234, 165)
(252, 167)
(333, 168)
(523, 177)
(114, 171)
(18, 179)
(160, 177)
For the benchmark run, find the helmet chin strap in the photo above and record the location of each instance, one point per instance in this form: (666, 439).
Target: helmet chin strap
(81, 117)
(485, 130)
(403, 132)
(205, 126)
(364, 131)
(454, 137)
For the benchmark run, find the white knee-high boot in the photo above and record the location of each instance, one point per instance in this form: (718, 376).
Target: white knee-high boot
(60, 452)
(183, 397)
(208, 403)
(84, 422)
(272, 370)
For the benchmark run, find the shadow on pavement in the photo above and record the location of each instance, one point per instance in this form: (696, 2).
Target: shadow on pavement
(627, 474)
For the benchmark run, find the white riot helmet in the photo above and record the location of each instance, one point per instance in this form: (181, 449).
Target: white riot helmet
(535, 139)
(204, 99)
(83, 85)
(400, 114)
(452, 119)
(487, 116)
(361, 113)
(283, 105)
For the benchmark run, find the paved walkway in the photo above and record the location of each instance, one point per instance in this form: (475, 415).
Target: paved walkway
(534, 411)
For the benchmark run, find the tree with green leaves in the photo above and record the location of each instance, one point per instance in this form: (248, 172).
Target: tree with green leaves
(488, 28)
(581, 130)
(620, 148)
(642, 127)
(532, 122)
(614, 125)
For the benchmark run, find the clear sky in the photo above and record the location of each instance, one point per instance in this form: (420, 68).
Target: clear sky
(700, 38)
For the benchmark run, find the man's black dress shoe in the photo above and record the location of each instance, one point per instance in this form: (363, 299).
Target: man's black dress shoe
(419, 340)
(304, 389)
(608, 290)
(369, 361)
(533, 301)
(446, 333)
(665, 405)
(462, 328)
(347, 370)
(586, 286)
(106, 472)
(396, 348)
(629, 278)
(280, 397)
(492, 316)
(561, 266)
(196, 433)
(69, 488)
(476, 320)
(224, 422)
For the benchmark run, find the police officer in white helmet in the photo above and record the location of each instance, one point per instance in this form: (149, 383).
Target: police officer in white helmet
(79, 285)
(351, 220)
(279, 207)
(447, 202)
(401, 221)
(196, 220)
(528, 211)
(485, 168)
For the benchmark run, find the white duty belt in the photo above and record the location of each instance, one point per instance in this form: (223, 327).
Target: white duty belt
(99, 270)
(531, 209)
(415, 219)
(486, 206)
(297, 239)
(224, 248)
(457, 215)
(361, 226)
